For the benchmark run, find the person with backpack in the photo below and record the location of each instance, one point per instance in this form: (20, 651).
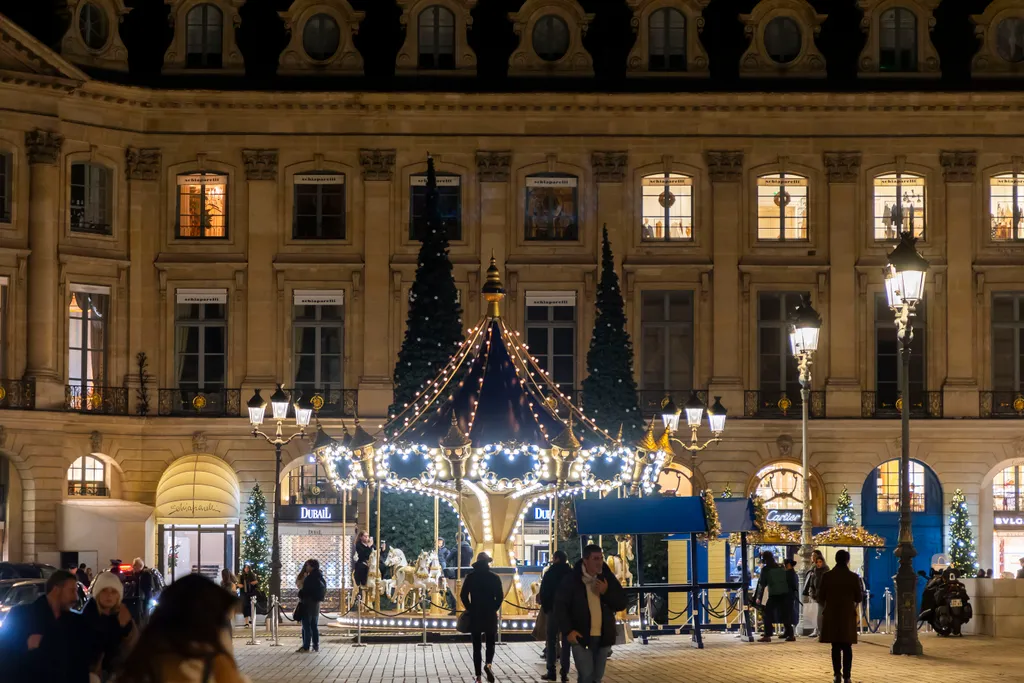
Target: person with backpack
(311, 594)
(776, 609)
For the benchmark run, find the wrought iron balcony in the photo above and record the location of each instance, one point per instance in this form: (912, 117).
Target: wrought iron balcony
(1001, 404)
(189, 402)
(782, 405)
(18, 394)
(327, 401)
(884, 404)
(651, 399)
(89, 488)
(93, 399)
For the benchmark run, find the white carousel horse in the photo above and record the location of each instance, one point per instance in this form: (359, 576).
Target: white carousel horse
(619, 563)
(400, 571)
(373, 581)
(418, 583)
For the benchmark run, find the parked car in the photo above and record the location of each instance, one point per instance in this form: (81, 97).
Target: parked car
(25, 570)
(15, 592)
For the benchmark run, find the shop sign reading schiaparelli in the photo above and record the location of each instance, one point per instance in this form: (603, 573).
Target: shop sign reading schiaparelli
(1009, 521)
(192, 508)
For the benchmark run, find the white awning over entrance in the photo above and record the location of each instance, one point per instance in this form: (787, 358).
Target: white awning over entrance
(198, 489)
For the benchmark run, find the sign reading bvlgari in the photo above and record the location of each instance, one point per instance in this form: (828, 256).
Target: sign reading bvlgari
(786, 517)
(1005, 520)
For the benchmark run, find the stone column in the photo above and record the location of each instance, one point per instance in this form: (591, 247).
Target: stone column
(960, 391)
(375, 387)
(725, 169)
(494, 174)
(842, 386)
(44, 314)
(261, 306)
(142, 174)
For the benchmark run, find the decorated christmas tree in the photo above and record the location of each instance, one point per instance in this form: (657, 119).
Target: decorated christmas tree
(255, 540)
(609, 390)
(962, 554)
(434, 326)
(845, 515)
(407, 522)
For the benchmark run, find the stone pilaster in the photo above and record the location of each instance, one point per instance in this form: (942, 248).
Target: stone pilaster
(261, 304)
(494, 170)
(610, 174)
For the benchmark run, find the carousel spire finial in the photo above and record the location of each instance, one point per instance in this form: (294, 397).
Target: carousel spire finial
(493, 290)
(455, 438)
(567, 440)
(647, 443)
(618, 438)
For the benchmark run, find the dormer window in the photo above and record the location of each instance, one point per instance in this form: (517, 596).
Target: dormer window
(321, 37)
(1010, 39)
(91, 38)
(897, 40)
(204, 25)
(436, 35)
(782, 39)
(667, 38)
(782, 34)
(93, 26)
(550, 38)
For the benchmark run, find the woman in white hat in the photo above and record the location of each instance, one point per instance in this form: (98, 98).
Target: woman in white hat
(109, 627)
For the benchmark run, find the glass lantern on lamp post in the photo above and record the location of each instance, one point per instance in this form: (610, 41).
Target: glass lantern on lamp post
(694, 409)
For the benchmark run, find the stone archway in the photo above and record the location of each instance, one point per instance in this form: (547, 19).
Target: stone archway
(11, 512)
(780, 485)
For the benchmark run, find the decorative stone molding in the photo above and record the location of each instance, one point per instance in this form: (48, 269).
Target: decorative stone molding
(927, 57)
(199, 444)
(638, 62)
(609, 167)
(142, 163)
(784, 443)
(109, 54)
(493, 167)
(231, 56)
(378, 164)
(526, 62)
(408, 59)
(346, 60)
(96, 442)
(260, 164)
(43, 146)
(842, 167)
(993, 59)
(1018, 446)
(3, 437)
(724, 167)
(958, 166)
(757, 60)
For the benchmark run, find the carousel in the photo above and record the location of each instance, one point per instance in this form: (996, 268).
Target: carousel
(491, 436)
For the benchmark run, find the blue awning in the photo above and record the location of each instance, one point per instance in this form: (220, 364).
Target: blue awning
(734, 514)
(676, 515)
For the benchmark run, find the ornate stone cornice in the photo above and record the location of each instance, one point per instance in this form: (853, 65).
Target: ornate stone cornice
(142, 163)
(958, 166)
(609, 167)
(43, 146)
(724, 166)
(378, 164)
(842, 167)
(493, 167)
(260, 164)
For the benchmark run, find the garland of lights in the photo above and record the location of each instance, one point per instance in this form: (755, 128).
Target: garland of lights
(849, 536)
(711, 518)
(768, 533)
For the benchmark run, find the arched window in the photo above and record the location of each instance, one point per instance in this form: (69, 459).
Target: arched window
(436, 38)
(550, 38)
(1008, 490)
(93, 26)
(781, 486)
(309, 485)
(888, 487)
(321, 37)
(899, 205)
(782, 207)
(667, 207)
(666, 35)
(87, 477)
(897, 40)
(1006, 206)
(204, 26)
(675, 480)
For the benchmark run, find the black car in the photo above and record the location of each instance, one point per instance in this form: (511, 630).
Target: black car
(25, 570)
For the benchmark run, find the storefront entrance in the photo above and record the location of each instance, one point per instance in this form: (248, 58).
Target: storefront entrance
(197, 549)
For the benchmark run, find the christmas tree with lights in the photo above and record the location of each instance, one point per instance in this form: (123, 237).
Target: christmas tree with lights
(255, 541)
(845, 515)
(963, 556)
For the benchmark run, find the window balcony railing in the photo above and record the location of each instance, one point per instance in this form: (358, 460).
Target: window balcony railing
(888, 405)
(93, 399)
(18, 394)
(1001, 404)
(327, 402)
(651, 400)
(88, 488)
(782, 405)
(189, 402)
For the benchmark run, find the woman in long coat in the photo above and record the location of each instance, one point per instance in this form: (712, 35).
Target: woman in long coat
(839, 593)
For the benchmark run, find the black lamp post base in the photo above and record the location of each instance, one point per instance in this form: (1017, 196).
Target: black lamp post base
(906, 642)
(906, 646)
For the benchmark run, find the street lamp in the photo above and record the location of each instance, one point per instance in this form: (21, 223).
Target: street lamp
(694, 409)
(279, 409)
(904, 286)
(804, 329)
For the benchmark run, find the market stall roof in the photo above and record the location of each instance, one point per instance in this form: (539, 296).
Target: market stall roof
(734, 514)
(676, 515)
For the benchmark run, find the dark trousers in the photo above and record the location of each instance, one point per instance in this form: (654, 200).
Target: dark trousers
(779, 608)
(311, 626)
(842, 660)
(551, 649)
(478, 638)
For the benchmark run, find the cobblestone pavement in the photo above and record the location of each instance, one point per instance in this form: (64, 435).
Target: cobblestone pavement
(667, 659)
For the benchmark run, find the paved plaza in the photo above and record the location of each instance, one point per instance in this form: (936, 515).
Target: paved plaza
(668, 659)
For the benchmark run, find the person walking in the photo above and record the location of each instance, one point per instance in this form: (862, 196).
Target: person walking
(585, 605)
(145, 591)
(553, 577)
(482, 595)
(776, 609)
(839, 594)
(811, 583)
(81, 576)
(109, 625)
(188, 637)
(250, 587)
(311, 593)
(793, 581)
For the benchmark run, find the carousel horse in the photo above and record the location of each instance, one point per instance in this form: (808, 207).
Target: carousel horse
(619, 563)
(401, 572)
(372, 588)
(419, 582)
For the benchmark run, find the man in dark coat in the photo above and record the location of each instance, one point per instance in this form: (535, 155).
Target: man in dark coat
(585, 607)
(482, 595)
(81, 576)
(793, 579)
(776, 608)
(549, 585)
(839, 594)
(442, 553)
(465, 554)
(45, 641)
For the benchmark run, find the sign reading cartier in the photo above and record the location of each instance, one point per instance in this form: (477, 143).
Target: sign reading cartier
(786, 517)
(311, 513)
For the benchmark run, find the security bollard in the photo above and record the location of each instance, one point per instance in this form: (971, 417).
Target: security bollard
(252, 611)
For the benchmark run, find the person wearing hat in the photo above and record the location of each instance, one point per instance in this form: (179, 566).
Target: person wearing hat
(482, 595)
(110, 630)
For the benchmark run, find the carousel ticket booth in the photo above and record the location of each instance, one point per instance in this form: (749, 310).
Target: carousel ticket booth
(197, 513)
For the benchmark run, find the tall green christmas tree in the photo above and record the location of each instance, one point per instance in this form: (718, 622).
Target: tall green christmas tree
(609, 390)
(963, 556)
(255, 539)
(433, 329)
(407, 522)
(845, 515)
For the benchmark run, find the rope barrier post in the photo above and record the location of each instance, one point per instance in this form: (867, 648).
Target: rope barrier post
(275, 607)
(423, 615)
(888, 609)
(359, 621)
(867, 611)
(500, 624)
(252, 611)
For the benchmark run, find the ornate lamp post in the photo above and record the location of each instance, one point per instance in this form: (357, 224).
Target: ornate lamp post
(694, 409)
(904, 287)
(804, 326)
(257, 411)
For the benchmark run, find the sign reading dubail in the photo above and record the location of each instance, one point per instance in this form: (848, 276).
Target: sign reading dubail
(786, 517)
(312, 513)
(1009, 521)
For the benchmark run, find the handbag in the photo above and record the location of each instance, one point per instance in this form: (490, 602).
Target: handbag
(462, 624)
(540, 627)
(299, 612)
